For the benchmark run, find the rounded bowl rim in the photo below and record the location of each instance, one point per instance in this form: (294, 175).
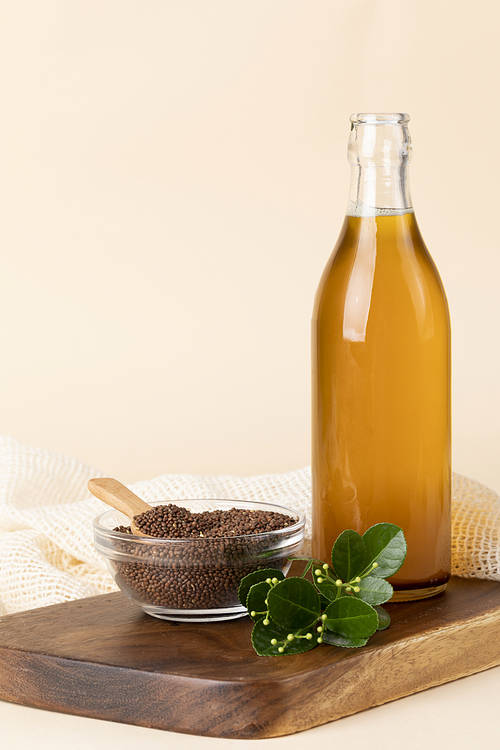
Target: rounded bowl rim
(298, 526)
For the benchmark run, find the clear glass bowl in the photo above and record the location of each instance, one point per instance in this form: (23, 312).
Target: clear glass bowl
(193, 579)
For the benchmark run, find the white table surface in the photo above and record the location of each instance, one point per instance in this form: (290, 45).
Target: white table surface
(459, 715)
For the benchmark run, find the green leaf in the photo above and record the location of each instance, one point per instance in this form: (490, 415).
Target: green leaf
(326, 588)
(374, 590)
(384, 618)
(256, 577)
(256, 599)
(386, 545)
(351, 618)
(263, 634)
(349, 555)
(333, 639)
(307, 568)
(294, 604)
(323, 602)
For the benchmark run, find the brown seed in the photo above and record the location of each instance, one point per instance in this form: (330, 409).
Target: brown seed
(203, 572)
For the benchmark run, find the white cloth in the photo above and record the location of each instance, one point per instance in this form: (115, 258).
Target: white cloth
(46, 539)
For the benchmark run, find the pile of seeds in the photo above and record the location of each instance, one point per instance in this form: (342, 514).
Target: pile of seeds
(210, 553)
(174, 522)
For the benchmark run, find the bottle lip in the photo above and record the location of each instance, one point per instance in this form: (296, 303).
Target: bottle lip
(379, 118)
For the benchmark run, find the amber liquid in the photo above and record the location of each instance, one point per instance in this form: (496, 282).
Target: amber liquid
(381, 397)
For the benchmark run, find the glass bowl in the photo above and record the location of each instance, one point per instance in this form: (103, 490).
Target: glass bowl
(193, 579)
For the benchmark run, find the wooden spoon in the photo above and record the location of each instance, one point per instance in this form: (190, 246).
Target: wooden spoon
(114, 493)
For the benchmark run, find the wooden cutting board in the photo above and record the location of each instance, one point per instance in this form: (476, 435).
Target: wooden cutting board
(101, 657)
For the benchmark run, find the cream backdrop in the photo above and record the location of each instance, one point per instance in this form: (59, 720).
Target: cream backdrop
(173, 176)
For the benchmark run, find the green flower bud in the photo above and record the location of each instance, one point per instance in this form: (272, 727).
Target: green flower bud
(357, 579)
(325, 566)
(319, 640)
(356, 589)
(274, 580)
(290, 636)
(273, 641)
(319, 579)
(319, 629)
(309, 636)
(338, 582)
(268, 580)
(347, 588)
(317, 572)
(265, 622)
(324, 617)
(375, 565)
(253, 613)
(280, 649)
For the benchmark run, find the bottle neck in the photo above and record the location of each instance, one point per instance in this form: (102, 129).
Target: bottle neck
(379, 151)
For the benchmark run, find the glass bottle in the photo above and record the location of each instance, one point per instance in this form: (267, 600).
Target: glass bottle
(381, 369)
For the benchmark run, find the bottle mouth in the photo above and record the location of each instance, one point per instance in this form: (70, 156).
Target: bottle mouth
(379, 118)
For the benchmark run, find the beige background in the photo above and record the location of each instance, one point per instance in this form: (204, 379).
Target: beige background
(173, 176)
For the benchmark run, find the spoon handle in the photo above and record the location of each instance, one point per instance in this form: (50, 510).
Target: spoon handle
(114, 493)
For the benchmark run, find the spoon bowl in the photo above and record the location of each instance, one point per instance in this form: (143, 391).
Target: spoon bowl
(115, 494)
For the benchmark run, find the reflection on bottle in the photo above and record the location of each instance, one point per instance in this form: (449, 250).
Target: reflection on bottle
(359, 288)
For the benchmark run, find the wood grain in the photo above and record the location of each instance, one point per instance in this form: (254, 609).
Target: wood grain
(101, 657)
(115, 494)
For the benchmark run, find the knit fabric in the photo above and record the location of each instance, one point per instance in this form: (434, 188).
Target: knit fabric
(46, 538)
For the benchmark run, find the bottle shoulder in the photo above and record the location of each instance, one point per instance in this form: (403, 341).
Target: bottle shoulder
(380, 262)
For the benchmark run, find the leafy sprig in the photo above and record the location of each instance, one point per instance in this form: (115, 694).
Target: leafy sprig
(340, 607)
